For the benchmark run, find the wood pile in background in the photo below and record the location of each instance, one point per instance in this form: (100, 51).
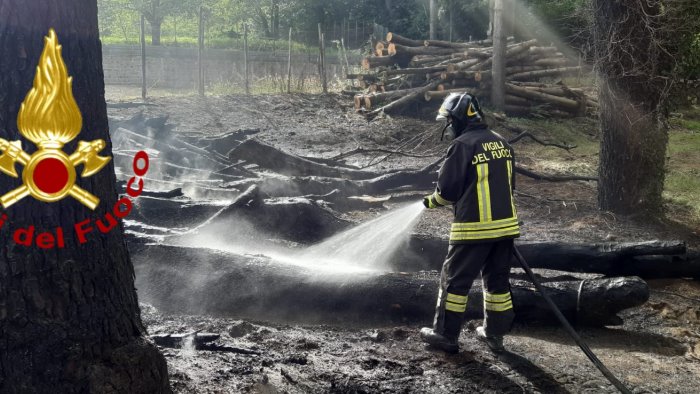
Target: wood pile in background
(403, 71)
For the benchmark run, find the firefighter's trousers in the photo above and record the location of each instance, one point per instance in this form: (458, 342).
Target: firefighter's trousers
(462, 265)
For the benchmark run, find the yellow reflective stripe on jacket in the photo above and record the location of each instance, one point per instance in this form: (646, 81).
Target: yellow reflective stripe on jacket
(475, 226)
(454, 307)
(509, 163)
(465, 236)
(498, 307)
(456, 298)
(483, 192)
(496, 297)
(440, 200)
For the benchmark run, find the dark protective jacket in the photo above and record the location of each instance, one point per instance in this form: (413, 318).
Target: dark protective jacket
(478, 179)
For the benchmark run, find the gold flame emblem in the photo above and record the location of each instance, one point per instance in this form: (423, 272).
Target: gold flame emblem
(50, 118)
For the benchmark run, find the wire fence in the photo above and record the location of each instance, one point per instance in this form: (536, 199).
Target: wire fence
(286, 62)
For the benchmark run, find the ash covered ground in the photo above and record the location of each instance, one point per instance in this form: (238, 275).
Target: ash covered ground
(656, 350)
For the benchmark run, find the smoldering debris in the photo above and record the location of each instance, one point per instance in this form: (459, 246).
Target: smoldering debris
(218, 230)
(204, 281)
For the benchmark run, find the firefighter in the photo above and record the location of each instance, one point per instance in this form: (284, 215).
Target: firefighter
(477, 179)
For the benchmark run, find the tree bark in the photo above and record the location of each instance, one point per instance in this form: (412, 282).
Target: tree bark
(397, 39)
(634, 137)
(69, 317)
(433, 19)
(498, 65)
(155, 31)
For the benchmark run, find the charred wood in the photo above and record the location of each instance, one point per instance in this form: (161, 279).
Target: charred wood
(271, 158)
(202, 281)
(650, 259)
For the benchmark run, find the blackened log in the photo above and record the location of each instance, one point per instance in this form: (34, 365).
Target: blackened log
(271, 158)
(176, 192)
(205, 281)
(293, 219)
(651, 259)
(222, 144)
(172, 149)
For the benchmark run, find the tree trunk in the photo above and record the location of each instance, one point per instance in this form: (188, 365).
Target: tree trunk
(156, 19)
(498, 77)
(155, 31)
(632, 152)
(433, 19)
(633, 147)
(69, 317)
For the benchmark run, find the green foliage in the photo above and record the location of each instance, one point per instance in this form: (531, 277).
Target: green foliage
(682, 187)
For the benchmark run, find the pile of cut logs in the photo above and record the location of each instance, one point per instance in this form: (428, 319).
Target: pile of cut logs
(402, 71)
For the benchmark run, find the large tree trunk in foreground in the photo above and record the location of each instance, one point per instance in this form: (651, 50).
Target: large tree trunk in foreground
(633, 147)
(69, 318)
(203, 281)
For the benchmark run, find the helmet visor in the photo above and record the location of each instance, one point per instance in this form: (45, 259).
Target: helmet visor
(442, 113)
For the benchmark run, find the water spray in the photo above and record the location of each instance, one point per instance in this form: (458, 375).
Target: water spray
(369, 244)
(579, 341)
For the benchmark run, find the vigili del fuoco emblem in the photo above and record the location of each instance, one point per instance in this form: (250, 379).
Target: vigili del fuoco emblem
(50, 118)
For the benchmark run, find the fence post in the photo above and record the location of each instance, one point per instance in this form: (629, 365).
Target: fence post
(245, 57)
(200, 57)
(322, 59)
(289, 64)
(143, 57)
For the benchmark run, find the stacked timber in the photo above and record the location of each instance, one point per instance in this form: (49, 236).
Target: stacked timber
(402, 71)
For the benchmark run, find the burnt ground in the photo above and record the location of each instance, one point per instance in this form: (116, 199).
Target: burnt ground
(656, 350)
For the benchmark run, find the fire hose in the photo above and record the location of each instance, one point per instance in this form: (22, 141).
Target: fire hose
(579, 341)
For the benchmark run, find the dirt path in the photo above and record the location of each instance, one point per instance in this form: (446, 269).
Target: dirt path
(656, 350)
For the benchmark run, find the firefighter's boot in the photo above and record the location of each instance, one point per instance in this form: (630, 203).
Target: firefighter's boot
(439, 341)
(493, 342)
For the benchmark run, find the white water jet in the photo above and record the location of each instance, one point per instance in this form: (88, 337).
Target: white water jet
(368, 245)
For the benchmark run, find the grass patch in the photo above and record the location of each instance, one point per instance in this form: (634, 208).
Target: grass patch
(579, 132)
(683, 176)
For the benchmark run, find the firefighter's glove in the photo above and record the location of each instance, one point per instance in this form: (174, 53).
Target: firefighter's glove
(429, 202)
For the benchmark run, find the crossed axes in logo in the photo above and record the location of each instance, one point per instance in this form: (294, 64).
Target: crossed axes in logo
(49, 174)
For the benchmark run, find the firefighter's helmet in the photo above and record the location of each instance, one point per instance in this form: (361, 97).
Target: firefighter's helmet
(463, 108)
